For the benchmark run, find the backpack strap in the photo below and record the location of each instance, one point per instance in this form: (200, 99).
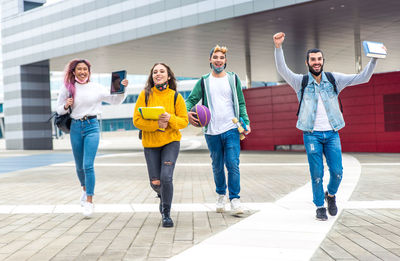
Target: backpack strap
(146, 98)
(236, 80)
(175, 97)
(304, 83)
(202, 90)
(331, 79)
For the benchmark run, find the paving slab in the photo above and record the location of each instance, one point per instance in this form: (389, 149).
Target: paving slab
(40, 216)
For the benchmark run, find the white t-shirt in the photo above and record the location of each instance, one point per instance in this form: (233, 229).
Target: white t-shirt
(321, 118)
(222, 112)
(87, 100)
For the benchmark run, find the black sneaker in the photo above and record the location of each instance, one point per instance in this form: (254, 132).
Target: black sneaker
(332, 208)
(321, 214)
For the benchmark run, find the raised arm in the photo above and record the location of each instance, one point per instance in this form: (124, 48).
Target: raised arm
(344, 80)
(115, 98)
(293, 79)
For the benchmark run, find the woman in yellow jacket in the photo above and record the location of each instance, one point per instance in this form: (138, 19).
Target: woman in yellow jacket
(161, 139)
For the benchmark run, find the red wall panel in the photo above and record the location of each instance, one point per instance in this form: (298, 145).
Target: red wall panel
(272, 111)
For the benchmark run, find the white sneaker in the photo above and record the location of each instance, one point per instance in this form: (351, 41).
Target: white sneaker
(220, 205)
(236, 208)
(88, 209)
(83, 198)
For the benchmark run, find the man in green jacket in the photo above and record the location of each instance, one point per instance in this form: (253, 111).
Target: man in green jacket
(221, 92)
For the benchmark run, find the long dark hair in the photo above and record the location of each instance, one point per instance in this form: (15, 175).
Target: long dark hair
(150, 82)
(69, 77)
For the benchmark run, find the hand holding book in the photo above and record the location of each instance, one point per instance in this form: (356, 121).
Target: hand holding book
(374, 49)
(163, 120)
(156, 113)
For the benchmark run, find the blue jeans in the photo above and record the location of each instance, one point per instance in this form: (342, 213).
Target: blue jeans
(327, 143)
(85, 141)
(225, 148)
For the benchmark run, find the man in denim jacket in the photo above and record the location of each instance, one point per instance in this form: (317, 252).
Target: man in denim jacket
(222, 94)
(320, 119)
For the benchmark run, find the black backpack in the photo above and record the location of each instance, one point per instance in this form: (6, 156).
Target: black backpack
(146, 99)
(304, 83)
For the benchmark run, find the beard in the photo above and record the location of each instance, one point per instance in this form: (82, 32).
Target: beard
(313, 71)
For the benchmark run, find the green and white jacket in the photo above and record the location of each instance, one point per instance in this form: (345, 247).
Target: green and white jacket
(237, 95)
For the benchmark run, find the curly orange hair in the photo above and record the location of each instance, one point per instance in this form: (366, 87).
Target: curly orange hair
(217, 48)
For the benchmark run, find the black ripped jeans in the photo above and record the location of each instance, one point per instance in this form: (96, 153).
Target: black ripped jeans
(160, 165)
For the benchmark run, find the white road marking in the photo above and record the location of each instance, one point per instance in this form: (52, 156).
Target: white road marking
(181, 164)
(284, 230)
(381, 164)
(119, 208)
(188, 207)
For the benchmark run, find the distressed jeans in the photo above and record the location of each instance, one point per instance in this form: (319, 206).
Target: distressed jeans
(160, 165)
(225, 149)
(326, 143)
(85, 137)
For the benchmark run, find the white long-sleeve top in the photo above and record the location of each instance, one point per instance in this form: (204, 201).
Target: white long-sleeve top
(87, 100)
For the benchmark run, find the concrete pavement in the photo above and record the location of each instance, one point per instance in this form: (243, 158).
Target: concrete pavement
(40, 218)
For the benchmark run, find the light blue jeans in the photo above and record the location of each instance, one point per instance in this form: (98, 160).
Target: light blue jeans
(225, 149)
(328, 144)
(85, 141)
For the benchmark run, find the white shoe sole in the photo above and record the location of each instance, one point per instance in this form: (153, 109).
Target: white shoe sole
(87, 215)
(237, 212)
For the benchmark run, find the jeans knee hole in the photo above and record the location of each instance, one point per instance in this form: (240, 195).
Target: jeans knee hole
(168, 163)
(156, 182)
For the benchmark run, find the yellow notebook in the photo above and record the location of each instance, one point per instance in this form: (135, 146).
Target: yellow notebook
(151, 113)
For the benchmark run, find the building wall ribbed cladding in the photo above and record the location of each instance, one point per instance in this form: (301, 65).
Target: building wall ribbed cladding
(15, 144)
(371, 112)
(391, 106)
(11, 8)
(38, 143)
(28, 108)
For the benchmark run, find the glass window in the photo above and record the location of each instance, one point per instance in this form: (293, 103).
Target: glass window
(117, 124)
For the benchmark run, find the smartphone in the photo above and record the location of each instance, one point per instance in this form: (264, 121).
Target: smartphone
(116, 78)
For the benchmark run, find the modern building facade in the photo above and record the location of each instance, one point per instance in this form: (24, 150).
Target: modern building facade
(134, 34)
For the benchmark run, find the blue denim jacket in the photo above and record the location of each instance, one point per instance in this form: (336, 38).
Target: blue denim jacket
(309, 104)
